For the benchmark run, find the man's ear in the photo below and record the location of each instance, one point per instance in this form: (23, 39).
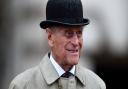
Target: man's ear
(50, 37)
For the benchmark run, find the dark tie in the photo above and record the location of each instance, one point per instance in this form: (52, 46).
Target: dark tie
(67, 74)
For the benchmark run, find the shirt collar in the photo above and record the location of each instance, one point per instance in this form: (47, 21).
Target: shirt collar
(58, 68)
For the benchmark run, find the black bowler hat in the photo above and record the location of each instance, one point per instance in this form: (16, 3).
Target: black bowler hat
(64, 12)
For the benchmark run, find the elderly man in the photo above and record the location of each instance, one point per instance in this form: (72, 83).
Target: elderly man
(59, 68)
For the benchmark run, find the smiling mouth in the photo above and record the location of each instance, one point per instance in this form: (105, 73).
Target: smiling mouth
(73, 50)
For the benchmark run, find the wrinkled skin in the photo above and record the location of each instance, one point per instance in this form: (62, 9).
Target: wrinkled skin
(66, 44)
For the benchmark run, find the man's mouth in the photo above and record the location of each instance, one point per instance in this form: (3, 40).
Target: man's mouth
(73, 50)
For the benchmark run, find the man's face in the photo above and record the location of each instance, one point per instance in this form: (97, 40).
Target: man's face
(66, 43)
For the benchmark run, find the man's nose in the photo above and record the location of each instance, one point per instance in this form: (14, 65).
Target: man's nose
(75, 40)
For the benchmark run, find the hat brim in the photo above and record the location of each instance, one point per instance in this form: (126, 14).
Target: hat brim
(48, 23)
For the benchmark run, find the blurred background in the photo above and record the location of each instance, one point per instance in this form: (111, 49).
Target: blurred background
(23, 43)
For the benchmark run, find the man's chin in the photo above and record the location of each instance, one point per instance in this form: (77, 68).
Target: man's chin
(74, 61)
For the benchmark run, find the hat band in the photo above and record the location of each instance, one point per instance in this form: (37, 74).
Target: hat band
(67, 20)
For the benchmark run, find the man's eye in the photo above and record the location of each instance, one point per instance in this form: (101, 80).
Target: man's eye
(79, 33)
(69, 34)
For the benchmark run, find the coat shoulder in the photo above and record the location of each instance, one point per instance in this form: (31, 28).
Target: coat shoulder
(25, 76)
(24, 79)
(91, 77)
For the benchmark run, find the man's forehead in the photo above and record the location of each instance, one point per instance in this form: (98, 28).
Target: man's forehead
(67, 28)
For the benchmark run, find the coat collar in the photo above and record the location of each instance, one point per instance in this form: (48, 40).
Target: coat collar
(48, 71)
(51, 75)
(80, 74)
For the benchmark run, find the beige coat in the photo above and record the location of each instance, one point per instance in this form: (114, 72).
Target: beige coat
(44, 76)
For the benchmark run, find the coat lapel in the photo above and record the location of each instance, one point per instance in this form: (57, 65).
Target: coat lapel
(80, 74)
(48, 71)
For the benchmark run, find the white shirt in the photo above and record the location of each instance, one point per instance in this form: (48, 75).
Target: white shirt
(58, 68)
